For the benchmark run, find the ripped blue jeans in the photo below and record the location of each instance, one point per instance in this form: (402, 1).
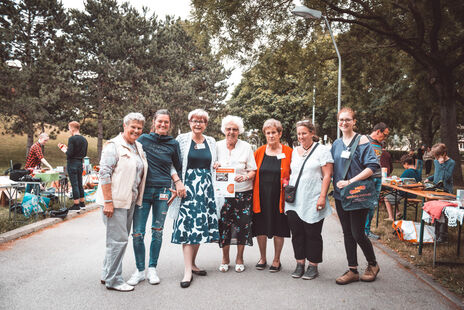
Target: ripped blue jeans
(151, 200)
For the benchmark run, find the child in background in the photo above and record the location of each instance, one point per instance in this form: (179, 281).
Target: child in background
(408, 163)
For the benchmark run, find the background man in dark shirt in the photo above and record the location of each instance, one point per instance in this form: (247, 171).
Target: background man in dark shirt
(75, 153)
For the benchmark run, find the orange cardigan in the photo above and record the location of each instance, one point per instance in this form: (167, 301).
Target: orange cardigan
(284, 173)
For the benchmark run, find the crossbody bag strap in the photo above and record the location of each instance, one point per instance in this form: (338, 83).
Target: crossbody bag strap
(301, 170)
(353, 145)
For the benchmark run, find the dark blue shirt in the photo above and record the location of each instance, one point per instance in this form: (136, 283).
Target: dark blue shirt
(364, 157)
(413, 174)
(443, 172)
(162, 152)
(199, 158)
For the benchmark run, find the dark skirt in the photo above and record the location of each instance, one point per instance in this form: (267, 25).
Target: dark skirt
(270, 221)
(235, 220)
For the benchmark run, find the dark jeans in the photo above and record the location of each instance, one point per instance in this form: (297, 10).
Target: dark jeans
(353, 234)
(306, 238)
(75, 170)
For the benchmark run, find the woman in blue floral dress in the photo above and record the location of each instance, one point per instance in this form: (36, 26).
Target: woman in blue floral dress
(196, 220)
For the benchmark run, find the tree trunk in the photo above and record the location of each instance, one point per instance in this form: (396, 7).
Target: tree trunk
(444, 85)
(427, 133)
(30, 141)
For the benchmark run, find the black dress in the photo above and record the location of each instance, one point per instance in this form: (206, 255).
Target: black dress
(270, 221)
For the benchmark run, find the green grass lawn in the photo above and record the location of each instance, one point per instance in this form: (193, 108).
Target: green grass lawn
(14, 148)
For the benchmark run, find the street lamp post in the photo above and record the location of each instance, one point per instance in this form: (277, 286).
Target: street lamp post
(305, 12)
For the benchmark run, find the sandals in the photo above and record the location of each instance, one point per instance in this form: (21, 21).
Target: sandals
(224, 267)
(239, 268)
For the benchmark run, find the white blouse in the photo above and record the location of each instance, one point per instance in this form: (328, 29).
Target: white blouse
(241, 158)
(309, 187)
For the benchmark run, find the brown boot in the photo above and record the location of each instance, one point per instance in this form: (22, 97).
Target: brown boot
(347, 278)
(371, 273)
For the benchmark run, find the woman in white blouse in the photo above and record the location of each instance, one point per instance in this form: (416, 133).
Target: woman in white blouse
(306, 214)
(236, 214)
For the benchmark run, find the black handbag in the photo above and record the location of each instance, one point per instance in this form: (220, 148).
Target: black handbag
(290, 190)
(17, 174)
(360, 194)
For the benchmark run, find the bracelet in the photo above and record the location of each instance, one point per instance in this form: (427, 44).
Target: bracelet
(176, 181)
(109, 200)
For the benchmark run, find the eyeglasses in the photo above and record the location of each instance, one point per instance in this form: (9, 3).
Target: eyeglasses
(196, 121)
(346, 120)
(231, 129)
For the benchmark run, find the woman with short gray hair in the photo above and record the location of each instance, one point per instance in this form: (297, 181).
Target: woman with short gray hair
(195, 215)
(235, 216)
(269, 220)
(123, 170)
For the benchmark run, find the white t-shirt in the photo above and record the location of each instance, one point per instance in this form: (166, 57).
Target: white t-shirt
(309, 187)
(241, 158)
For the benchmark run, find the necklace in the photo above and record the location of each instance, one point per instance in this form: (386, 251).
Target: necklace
(305, 153)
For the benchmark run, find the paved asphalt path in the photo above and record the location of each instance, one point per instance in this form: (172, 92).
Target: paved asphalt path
(59, 268)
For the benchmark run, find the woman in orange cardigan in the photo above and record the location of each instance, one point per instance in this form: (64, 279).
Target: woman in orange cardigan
(269, 219)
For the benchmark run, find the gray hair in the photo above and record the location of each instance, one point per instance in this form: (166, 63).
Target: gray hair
(134, 116)
(200, 113)
(272, 123)
(44, 136)
(236, 120)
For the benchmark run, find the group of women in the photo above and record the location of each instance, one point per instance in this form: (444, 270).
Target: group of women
(137, 172)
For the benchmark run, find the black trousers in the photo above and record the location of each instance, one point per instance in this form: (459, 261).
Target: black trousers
(306, 238)
(75, 170)
(353, 233)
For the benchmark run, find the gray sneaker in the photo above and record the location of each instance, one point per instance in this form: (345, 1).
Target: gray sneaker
(311, 273)
(299, 270)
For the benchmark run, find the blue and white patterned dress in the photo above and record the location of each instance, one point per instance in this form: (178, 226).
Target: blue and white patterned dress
(197, 220)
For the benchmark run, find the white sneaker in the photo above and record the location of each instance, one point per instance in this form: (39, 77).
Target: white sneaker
(136, 277)
(122, 288)
(153, 276)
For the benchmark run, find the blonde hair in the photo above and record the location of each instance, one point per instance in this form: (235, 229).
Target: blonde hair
(74, 125)
(439, 149)
(200, 113)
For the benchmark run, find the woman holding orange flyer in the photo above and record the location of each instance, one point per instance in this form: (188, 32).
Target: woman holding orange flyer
(235, 216)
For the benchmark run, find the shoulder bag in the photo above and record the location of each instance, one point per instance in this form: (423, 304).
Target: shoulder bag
(359, 194)
(290, 190)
